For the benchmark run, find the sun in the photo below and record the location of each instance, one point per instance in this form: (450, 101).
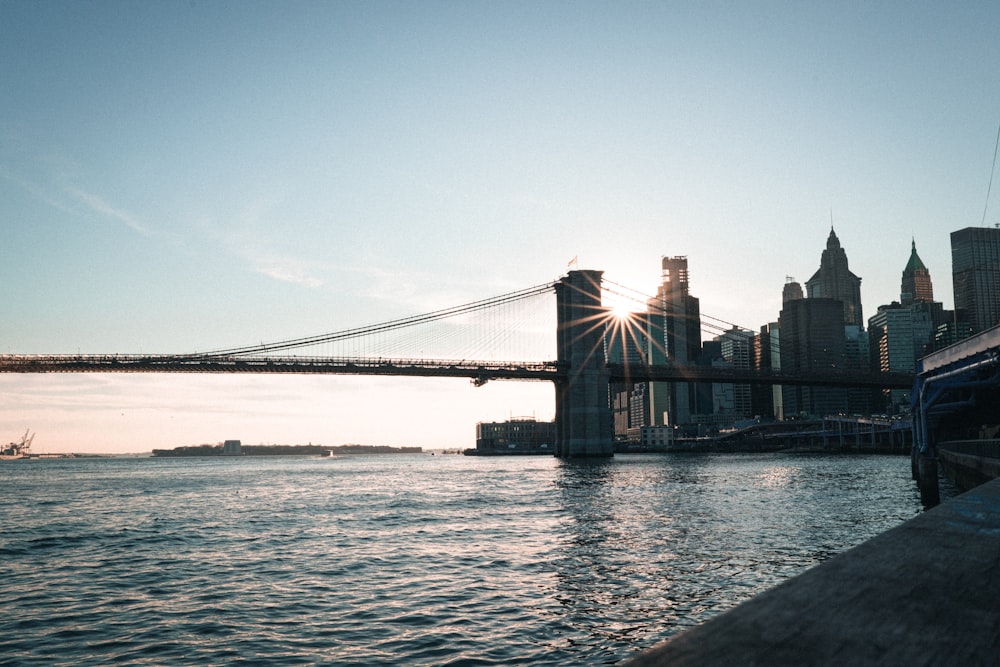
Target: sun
(618, 308)
(619, 305)
(621, 311)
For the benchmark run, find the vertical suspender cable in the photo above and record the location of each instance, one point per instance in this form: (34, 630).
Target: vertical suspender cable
(992, 169)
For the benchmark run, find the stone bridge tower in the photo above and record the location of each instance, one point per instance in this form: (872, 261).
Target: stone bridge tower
(583, 411)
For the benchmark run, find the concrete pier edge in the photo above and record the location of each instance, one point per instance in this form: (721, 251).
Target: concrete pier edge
(924, 593)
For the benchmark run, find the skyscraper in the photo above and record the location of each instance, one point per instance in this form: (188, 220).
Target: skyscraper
(975, 272)
(669, 332)
(812, 340)
(834, 280)
(673, 403)
(737, 350)
(917, 294)
(792, 290)
(893, 348)
(767, 399)
(633, 343)
(916, 284)
(901, 333)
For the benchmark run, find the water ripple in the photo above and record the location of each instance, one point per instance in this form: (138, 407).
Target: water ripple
(411, 560)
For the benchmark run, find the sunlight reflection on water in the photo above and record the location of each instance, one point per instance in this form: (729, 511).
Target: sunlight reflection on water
(412, 559)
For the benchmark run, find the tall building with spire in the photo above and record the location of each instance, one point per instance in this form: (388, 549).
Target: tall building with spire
(916, 284)
(834, 280)
(901, 333)
(821, 332)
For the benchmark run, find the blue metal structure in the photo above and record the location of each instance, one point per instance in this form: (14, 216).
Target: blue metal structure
(955, 390)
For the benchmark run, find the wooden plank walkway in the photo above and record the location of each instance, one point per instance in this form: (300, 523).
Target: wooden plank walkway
(924, 593)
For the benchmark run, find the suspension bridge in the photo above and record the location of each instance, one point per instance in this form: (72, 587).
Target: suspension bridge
(478, 341)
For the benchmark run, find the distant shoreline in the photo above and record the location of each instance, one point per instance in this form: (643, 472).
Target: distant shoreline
(285, 450)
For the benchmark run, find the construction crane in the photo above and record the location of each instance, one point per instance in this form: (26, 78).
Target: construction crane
(22, 448)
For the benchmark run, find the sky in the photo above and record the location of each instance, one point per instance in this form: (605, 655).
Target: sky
(181, 176)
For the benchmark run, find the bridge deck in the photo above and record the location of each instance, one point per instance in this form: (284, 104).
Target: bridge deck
(478, 370)
(924, 593)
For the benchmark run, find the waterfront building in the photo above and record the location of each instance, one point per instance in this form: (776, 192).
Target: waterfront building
(656, 438)
(519, 435)
(975, 271)
(232, 448)
(834, 280)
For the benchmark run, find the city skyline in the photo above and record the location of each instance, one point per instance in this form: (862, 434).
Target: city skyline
(709, 331)
(178, 178)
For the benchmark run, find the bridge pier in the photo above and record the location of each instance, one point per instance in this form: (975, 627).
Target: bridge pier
(583, 411)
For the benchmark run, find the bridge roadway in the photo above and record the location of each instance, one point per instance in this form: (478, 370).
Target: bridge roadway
(118, 363)
(479, 371)
(831, 378)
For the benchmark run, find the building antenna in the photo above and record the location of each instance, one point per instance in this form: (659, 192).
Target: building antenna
(831, 218)
(992, 169)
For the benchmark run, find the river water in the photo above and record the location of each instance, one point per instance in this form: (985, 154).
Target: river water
(410, 559)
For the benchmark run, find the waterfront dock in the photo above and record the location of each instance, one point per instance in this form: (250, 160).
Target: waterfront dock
(971, 462)
(924, 593)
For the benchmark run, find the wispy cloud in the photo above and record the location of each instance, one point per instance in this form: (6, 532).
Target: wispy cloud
(249, 236)
(416, 290)
(100, 206)
(34, 190)
(67, 198)
(286, 270)
(258, 250)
